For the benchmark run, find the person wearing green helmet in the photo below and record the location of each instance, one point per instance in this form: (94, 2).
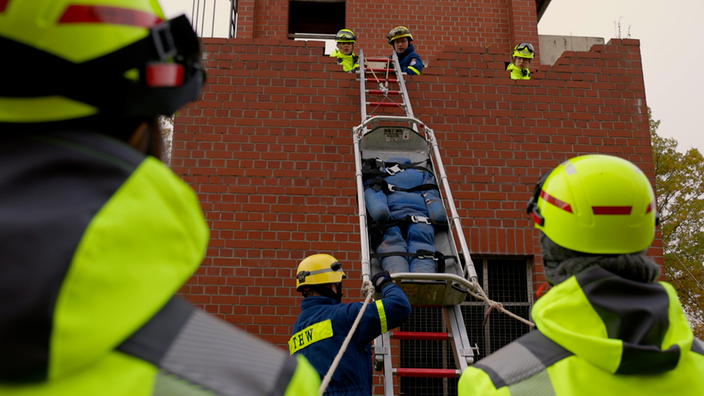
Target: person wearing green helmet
(521, 59)
(344, 52)
(96, 233)
(607, 326)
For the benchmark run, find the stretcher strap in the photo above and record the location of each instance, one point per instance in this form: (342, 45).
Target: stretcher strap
(374, 167)
(420, 254)
(378, 184)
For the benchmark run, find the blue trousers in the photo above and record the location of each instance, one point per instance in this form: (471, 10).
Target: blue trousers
(409, 238)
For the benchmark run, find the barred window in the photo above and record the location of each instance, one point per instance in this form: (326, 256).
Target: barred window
(505, 280)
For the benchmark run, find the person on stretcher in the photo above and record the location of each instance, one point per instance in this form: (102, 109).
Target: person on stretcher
(405, 203)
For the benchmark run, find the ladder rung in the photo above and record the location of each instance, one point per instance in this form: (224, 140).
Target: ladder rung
(371, 79)
(378, 60)
(378, 92)
(377, 70)
(427, 373)
(385, 104)
(410, 335)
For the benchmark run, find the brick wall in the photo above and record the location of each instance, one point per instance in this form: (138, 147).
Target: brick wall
(268, 149)
(434, 24)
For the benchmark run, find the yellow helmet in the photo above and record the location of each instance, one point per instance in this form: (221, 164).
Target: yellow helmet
(345, 36)
(318, 269)
(523, 50)
(94, 60)
(397, 33)
(596, 204)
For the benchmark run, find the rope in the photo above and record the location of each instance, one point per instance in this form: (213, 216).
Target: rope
(368, 290)
(496, 305)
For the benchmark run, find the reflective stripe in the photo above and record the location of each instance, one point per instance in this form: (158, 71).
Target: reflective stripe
(523, 360)
(310, 335)
(698, 346)
(414, 69)
(382, 316)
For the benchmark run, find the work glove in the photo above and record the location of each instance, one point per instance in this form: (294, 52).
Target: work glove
(381, 280)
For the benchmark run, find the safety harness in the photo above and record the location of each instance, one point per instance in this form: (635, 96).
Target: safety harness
(374, 170)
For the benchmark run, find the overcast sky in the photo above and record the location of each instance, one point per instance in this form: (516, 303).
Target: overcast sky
(672, 51)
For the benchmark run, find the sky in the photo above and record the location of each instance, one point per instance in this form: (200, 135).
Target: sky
(672, 53)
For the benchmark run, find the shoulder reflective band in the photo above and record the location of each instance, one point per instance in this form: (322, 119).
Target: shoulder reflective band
(382, 316)
(109, 15)
(310, 335)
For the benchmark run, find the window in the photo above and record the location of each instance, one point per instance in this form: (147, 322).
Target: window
(506, 280)
(322, 17)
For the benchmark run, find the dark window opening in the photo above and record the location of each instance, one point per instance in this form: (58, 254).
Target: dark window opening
(315, 17)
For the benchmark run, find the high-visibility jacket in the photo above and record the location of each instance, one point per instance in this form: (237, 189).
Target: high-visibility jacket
(95, 239)
(410, 62)
(324, 323)
(517, 73)
(599, 334)
(349, 63)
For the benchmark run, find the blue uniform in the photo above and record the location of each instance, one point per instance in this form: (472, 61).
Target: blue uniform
(384, 205)
(324, 323)
(410, 62)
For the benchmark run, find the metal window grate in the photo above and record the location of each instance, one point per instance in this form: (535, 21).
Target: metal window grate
(506, 280)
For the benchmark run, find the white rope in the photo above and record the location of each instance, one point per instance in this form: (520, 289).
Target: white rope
(498, 306)
(368, 290)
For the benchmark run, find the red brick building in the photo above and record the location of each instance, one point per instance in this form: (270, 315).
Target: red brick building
(268, 146)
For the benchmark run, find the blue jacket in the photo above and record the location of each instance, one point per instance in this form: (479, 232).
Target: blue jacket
(410, 62)
(324, 323)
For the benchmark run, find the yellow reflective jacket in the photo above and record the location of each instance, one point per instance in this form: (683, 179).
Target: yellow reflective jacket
(349, 62)
(599, 334)
(95, 240)
(518, 73)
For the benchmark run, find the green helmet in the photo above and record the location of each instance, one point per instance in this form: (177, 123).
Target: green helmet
(523, 50)
(596, 204)
(94, 60)
(345, 36)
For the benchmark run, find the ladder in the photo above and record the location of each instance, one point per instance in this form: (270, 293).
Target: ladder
(375, 138)
(370, 77)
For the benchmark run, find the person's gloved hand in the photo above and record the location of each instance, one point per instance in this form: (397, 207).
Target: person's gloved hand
(380, 280)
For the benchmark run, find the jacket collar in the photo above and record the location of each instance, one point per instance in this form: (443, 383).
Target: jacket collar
(619, 325)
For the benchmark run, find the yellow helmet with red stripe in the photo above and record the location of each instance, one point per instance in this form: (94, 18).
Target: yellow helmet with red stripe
(596, 204)
(107, 59)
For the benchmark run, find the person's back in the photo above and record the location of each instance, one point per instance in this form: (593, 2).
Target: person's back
(96, 237)
(606, 327)
(325, 321)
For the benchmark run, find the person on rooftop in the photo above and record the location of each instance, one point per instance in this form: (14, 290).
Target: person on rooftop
(400, 39)
(521, 59)
(344, 52)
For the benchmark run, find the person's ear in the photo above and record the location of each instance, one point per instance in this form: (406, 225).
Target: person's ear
(140, 138)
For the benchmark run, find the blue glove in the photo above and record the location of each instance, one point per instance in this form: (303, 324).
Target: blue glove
(381, 280)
